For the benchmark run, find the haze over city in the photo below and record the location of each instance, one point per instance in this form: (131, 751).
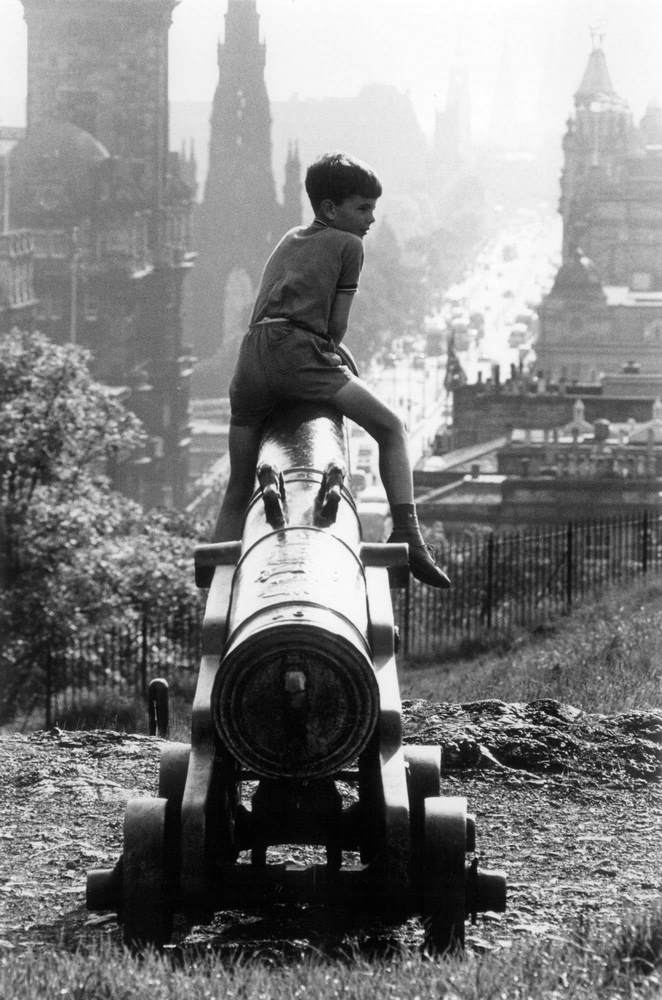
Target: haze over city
(524, 57)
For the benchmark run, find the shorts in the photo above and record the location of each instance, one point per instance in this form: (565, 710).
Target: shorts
(280, 362)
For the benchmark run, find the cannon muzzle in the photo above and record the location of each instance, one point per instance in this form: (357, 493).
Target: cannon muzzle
(296, 694)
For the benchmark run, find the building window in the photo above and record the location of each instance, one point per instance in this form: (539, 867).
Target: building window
(60, 245)
(56, 306)
(91, 307)
(653, 333)
(576, 327)
(641, 281)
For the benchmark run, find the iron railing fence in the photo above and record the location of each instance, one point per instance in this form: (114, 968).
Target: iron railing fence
(500, 583)
(114, 665)
(519, 580)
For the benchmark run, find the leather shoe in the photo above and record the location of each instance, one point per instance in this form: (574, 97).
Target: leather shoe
(422, 563)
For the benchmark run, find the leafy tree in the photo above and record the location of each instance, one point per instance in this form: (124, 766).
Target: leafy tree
(76, 555)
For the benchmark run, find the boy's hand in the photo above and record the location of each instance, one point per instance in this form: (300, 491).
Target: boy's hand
(347, 358)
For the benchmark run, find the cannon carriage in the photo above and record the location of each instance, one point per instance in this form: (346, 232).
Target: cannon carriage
(298, 699)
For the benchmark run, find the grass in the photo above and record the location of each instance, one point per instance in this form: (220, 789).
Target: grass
(582, 966)
(604, 657)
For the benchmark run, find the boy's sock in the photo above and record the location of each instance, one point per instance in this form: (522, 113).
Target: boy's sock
(422, 563)
(404, 516)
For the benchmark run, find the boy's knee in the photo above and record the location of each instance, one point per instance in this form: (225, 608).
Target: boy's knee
(392, 428)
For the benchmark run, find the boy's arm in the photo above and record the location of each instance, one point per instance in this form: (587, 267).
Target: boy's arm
(339, 316)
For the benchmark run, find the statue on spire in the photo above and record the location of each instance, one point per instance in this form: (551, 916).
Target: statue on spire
(597, 32)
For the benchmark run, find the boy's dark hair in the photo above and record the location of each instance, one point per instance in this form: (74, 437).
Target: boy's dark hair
(339, 176)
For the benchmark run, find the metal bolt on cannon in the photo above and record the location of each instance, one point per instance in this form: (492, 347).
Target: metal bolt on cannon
(298, 691)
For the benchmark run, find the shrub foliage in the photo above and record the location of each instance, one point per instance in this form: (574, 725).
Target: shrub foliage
(76, 555)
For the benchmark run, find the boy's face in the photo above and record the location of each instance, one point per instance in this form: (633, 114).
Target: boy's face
(352, 215)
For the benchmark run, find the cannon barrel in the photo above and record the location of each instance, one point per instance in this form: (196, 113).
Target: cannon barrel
(296, 694)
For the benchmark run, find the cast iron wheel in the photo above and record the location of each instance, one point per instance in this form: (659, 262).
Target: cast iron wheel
(423, 782)
(173, 768)
(147, 873)
(369, 806)
(444, 888)
(225, 794)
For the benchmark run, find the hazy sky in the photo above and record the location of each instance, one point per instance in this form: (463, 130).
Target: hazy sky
(323, 48)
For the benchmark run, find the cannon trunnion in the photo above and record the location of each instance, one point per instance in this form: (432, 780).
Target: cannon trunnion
(298, 695)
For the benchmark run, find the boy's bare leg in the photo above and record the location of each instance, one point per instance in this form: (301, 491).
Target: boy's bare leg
(244, 446)
(357, 401)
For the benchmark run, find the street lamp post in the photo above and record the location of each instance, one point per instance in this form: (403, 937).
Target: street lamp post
(5, 194)
(75, 263)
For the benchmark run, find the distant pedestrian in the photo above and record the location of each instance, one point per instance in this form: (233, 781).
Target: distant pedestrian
(291, 350)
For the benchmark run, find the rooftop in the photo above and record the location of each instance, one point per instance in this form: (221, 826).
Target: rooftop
(454, 460)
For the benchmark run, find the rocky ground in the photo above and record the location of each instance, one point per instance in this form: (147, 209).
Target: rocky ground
(568, 805)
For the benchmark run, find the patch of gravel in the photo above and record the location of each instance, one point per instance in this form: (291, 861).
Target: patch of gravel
(569, 805)
(541, 737)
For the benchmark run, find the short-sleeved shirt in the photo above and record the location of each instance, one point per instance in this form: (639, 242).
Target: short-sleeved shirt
(307, 269)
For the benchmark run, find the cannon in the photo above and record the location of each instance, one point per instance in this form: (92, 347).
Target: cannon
(298, 699)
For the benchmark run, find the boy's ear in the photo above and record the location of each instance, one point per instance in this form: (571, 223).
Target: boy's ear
(328, 208)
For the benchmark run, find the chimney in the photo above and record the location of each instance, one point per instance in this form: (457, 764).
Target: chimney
(600, 430)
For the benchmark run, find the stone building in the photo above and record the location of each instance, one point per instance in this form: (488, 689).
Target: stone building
(451, 142)
(240, 218)
(108, 206)
(486, 409)
(17, 298)
(605, 306)
(580, 470)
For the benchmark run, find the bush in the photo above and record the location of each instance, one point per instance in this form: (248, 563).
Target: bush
(79, 558)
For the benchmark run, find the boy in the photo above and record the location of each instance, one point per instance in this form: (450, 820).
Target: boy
(300, 315)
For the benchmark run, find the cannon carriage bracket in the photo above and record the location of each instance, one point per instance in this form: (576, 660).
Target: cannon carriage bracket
(297, 693)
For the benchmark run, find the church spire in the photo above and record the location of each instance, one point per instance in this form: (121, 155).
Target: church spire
(292, 187)
(240, 217)
(596, 85)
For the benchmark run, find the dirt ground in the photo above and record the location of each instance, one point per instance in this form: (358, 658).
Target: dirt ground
(569, 806)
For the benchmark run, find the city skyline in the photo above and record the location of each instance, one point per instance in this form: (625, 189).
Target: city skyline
(524, 57)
